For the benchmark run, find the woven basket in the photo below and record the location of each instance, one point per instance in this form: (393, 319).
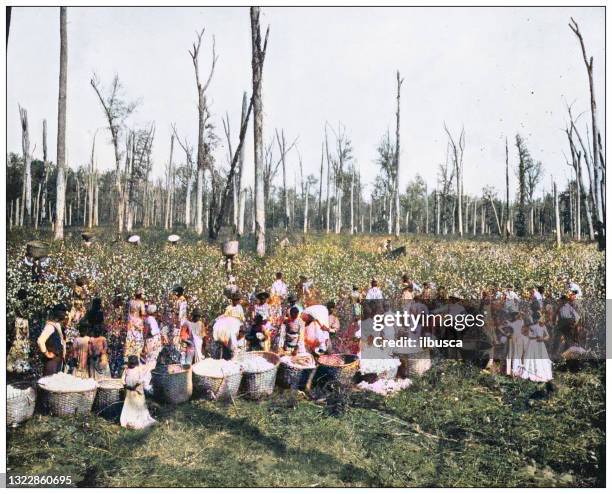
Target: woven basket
(21, 407)
(67, 403)
(414, 364)
(37, 249)
(256, 385)
(230, 248)
(172, 388)
(344, 374)
(217, 388)
(108, 394)
(293, 377)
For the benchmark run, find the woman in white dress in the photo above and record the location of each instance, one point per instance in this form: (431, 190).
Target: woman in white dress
(538, 366)
(135, 414)
(516, 345)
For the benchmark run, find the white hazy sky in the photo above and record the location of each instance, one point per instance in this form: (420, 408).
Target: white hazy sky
(497, 71)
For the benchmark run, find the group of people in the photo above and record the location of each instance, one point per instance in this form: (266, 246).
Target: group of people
(89, 340)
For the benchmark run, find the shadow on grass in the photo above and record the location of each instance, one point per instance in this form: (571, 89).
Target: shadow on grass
(313, 462)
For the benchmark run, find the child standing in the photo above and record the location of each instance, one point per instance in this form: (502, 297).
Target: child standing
(135, 414)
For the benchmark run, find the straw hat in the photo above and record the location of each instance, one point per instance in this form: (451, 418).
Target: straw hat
(134, 239)
(173, 239)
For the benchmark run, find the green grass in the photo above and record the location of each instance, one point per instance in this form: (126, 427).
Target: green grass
(456, 427)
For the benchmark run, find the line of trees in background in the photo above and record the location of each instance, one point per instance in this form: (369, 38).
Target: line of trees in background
(198, 193)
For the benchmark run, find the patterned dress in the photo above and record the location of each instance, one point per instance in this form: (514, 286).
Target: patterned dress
(134, 340)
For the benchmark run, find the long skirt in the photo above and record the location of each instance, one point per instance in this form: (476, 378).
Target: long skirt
(538, 366)
(135, 414)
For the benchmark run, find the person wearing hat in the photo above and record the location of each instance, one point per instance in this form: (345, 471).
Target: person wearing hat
(334, 322)
(292, 301)
(51, 341)
(235, 309)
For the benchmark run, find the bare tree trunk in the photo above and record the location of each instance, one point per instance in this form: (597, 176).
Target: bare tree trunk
(97, 203)
(258, 55)
(327, 203)
(352, 200)
(599, 200)
(239, 181)
(169, 183)
(60, 201)
(199, 201)
(90, 188)
(319, 210)
(499, 229)
(557, 219)
(26, 191)
(397, 157)
(307, 193)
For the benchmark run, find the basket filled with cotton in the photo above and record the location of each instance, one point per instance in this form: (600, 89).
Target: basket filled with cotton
(216, 379)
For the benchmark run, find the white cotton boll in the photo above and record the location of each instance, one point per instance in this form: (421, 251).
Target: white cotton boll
(256, 364)
(65, 382)
(215, 368)
(378, 365)
(385, 387)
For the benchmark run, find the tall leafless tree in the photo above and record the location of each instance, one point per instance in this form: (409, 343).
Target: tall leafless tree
(60, 200)
(26, 190)
(116, 110)
(397, 156)
(598, 164)
(257, 62)
(204, 159)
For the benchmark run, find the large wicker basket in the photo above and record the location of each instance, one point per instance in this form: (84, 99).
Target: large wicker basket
(21, 407)
(256, 385)
(37, 249)
(172, 388)
(294, 377)
(217, 388)
(66, 403)
(414, 363)
(344, 374)
(110, 392)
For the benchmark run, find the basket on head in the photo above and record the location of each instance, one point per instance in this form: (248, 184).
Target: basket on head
(173, 239)
(20, 407)
(217, 388)
(87, 236)
(340, 367)
(37, 249)
(110, 391)
(256, 385)
(230, 248)
(67, 403)
(173, 388)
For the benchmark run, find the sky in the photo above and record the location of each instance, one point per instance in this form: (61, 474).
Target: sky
(495, 71)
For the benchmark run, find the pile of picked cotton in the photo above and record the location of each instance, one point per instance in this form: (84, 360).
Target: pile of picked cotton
(378, 365)
(255, 364)
(216, 368)
(65, 382)
(385, 387)
(12, 392)
(299, 361)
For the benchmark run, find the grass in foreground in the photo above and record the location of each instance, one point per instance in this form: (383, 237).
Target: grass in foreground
(455, 427)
